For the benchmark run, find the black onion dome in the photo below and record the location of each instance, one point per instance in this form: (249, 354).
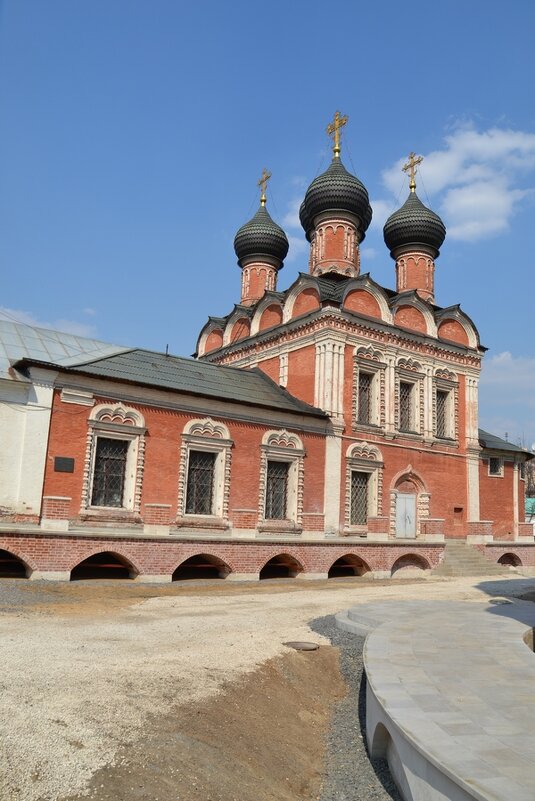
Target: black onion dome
(414, 224)
(261, 237)
(335, 190)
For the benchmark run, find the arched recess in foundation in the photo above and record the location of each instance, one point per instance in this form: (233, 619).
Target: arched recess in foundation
(201, 566)
(104, 565)
(410, 565)
(348, 565)
(510, 560)
(281, 566)
(12, 566)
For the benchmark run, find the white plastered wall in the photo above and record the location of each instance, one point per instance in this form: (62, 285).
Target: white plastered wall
(24, 425)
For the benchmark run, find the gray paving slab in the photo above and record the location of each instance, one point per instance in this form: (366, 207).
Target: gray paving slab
(458, 681)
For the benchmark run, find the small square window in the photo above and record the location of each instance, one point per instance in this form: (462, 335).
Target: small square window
(495, 466)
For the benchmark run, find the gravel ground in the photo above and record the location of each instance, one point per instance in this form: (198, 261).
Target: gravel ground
(85, 669)
(350, 775)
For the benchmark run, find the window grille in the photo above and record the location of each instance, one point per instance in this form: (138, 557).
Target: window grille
(405, 406)
(109, 472)
(359, 498)
(200, 483)
(522, 470)
(276, 490)
(441, 406)
(364, 398)
(495, 466)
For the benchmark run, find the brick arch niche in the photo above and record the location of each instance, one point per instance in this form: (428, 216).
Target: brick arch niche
(362, 302)
(409, 483)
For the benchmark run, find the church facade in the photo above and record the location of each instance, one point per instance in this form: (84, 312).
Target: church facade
(325, 429)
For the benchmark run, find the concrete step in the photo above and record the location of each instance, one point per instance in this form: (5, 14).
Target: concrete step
(461, 559)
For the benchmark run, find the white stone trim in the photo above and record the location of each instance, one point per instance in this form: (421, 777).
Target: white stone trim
(211, 436)
(283, 446)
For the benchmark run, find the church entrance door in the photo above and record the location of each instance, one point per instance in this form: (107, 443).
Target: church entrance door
(405, 515)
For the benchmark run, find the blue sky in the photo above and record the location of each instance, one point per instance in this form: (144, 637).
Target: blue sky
(133, 133)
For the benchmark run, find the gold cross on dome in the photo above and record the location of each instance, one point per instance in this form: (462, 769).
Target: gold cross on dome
(266, 175)
(410, 167)
(333, 129)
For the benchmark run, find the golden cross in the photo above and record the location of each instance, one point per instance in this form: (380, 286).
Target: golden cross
(410, 167)
(333, 129)
(263, 183)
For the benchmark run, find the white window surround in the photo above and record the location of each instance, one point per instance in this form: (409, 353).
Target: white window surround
(116, 421)
(283, 446)
(370, 361)
(213, 437)
(364, 458)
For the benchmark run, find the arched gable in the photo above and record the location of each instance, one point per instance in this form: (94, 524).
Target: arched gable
(306, 301)
(207, 428)
(455, 326)
(117, 413)
(362, 302)
(213, 341)
(409, 317)
(240, 329)
(453, 331)
(268, 313)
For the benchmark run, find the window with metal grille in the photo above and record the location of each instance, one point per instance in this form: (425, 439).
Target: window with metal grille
(405, 406)
(109, 472)
(364, 410)
(441, 409)
(200, 489)
(522, 468)
(359, 498)
(495, 466)
(277, 490)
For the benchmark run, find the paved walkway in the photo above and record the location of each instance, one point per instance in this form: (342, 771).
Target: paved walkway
(454, 685)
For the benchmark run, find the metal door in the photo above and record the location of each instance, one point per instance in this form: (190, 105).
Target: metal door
(405, 515)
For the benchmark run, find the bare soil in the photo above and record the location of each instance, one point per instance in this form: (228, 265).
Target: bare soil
(183, 692)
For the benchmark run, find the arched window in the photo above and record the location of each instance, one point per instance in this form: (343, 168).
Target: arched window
(281, 482)
(364, 486)
(204, 474)
(114, 460)
(368, 388)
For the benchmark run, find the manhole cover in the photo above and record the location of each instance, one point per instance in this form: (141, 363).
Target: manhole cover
(302, 646)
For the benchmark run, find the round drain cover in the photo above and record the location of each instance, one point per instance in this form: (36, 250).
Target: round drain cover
(302, 646)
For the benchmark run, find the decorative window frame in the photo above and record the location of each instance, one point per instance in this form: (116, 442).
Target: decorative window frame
(283, 446)
(213, 437)
(370, 361)
(409, 371)
(364, 458)
(446, 381)
(116, 421)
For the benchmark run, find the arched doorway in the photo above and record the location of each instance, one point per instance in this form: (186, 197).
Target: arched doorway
(104, 565)
(281, 566)
(410, 565)
(348, 565)
(201, 566)
(11, 566)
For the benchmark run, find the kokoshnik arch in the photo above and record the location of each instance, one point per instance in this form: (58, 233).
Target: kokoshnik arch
(333, 420)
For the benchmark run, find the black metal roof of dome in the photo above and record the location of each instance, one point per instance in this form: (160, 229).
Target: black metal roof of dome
(261, 237)
(336, 189)
(414, 224)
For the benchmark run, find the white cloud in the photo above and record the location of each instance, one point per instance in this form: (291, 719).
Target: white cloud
(382, 209)
(477, 178)
(507, 397)
(291, 218)
(298, 246)
(67, 326)
(368, 253)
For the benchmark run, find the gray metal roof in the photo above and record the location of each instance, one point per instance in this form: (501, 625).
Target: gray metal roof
(19, 341)
(492, 442)
(178, 374)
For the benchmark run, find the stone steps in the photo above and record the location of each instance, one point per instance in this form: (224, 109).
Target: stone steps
(460, 559)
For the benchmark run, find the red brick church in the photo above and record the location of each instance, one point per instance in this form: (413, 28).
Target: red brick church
(324, 429)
